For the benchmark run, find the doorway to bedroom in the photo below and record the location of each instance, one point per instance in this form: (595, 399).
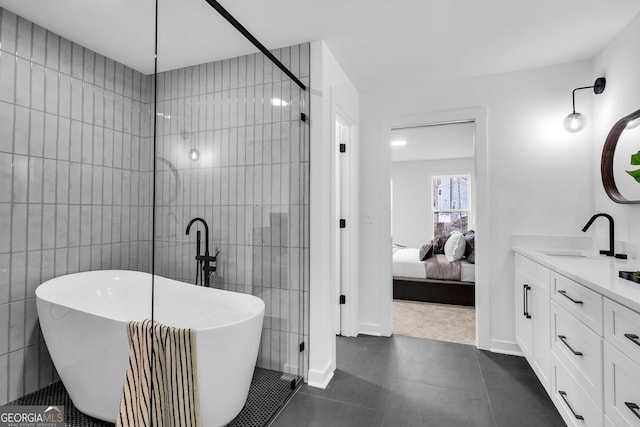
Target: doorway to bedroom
(433, 231)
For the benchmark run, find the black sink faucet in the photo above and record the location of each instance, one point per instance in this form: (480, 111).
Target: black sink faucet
(204, 261)
(611, 251)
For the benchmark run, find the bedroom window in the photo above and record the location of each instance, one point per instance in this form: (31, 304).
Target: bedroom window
(451, 203)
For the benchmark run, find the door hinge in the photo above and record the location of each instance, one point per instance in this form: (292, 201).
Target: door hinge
(343, 299)
(343, 148)
(303, 117)
(343, 223)
(301, 346)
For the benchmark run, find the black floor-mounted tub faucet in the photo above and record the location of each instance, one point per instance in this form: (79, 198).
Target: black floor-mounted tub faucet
(204, 261)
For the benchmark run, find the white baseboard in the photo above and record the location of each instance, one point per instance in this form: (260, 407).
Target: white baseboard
(371, 329)
(320, 379)
(506, 347)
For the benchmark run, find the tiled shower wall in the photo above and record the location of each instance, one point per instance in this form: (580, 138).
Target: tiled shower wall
(75, 183)
(250, 184)
(75, 156)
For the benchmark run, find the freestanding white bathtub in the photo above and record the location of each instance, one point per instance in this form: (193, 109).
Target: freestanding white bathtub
(83, 318)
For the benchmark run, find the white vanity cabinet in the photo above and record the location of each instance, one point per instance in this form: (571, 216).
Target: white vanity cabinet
(576, 352)
(579, 349)
(582, 342)
(621, 364)
(532, 321)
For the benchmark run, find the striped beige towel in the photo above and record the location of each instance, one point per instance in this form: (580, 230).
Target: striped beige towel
(171, 362)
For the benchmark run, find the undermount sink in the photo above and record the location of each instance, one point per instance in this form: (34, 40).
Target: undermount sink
(565, 254)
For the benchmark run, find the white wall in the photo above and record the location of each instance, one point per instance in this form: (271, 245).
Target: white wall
(619, 62)
(331, 91)
(539, 181)
(412, 215)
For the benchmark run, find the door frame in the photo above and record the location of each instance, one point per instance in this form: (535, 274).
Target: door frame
(346, 240)
(478, 115)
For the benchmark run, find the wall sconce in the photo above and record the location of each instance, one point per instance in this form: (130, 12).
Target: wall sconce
(575, 122)
(194, 154)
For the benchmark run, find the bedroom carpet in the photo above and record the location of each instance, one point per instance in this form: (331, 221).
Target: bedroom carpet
(440, 322)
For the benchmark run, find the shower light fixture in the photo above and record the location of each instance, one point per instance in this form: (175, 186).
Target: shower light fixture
(194, 154)
(277, 102)
(575, 122)
(398, 143)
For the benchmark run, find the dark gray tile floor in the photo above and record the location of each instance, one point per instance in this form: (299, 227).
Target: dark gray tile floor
(404, 381)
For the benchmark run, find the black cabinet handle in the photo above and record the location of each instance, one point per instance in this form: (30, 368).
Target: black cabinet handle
(525, 293)
(562, 395)
(634, 338)
(564, 294)
(564, 341)
(633, 407)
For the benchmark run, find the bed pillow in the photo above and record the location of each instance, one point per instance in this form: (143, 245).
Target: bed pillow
(425, 251)
(470, 250)
(455, 246)
(438, 243)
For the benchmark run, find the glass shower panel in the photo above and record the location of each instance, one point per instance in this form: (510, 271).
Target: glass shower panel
(276, 218)
(232, 167)
(232, 149)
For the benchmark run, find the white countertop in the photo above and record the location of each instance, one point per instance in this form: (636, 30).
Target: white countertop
(596, 272)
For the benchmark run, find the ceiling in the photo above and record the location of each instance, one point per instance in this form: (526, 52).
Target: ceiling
(379, 43)
(434, 142)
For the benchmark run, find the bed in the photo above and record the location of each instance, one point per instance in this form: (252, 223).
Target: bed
(410, 280)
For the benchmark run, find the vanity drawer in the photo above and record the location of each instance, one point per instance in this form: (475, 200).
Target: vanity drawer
(573, 403)
(622, 329)
(622, 388)
(580, 349)
(532, 271)
(583, 303)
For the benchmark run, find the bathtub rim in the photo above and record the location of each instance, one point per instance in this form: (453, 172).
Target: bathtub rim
(43, 287)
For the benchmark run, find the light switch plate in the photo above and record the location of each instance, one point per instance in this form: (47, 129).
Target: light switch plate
(368, 216)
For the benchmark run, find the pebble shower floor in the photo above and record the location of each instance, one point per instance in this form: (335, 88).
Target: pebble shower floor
(268, 393)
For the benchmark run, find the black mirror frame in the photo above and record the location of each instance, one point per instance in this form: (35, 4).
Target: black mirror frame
(606, 164)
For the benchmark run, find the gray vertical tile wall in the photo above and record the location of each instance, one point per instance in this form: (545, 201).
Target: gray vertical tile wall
(74, 180)
(250, 184)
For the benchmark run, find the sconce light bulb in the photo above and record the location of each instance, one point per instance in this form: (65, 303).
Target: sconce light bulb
(194, 154)
(574, 122)
(632, 124)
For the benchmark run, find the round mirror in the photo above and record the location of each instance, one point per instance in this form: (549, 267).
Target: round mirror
(620, 165)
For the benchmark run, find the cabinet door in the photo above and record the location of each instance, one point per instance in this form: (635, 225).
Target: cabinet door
(524, 321)
(574, 404)
(540, 315)
(622, 388)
